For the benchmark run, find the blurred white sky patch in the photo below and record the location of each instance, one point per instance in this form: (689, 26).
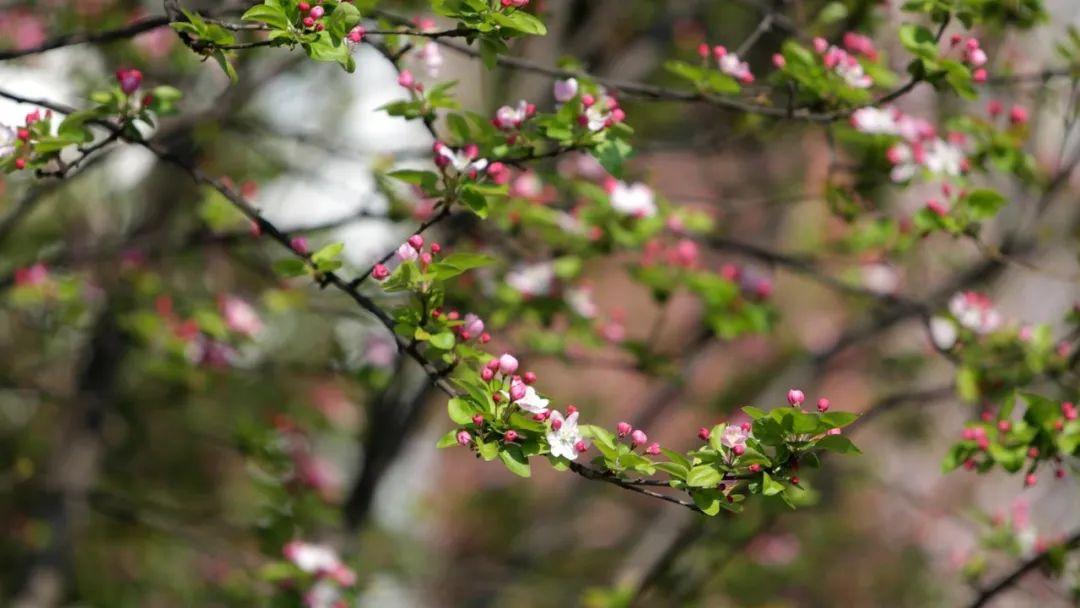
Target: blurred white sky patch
(333, 184)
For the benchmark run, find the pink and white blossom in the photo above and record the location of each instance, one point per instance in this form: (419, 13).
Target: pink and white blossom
(563, 435)
(975, 311)
(8, 140)
(565, 90)
(533, 280)
(734, 435)
(580, 300)
(240, 316)
(942, 332)
(635, 199)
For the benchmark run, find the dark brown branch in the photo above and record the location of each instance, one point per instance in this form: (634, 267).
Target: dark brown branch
(1025, 567)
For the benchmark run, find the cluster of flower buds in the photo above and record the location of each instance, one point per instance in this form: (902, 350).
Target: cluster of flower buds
(467, 328)
(684, 253)
(796, 397)
(1018, 115)
(600, 113)
(637, 438)
(846, 65)
(973, 55)
(409, 82)
(312, 16)
(728, 62)
(859, 44)
(17, 140)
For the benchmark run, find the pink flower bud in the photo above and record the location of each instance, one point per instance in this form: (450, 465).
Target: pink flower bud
(755, 468)
(299, 244)
(795, 397)
(507, 364)
(1030, 479)
(1018, 115)
(739, 449)
(528, 377)
(406, 80)
(309, 22)
(416, 241)
(511, 435)
(587, 100)
(703, 50)
(623, 429)
(517, 391)
(486, 375)
(316, 12)
(823, 405)
(746, 426)
(979, 76)
(820, 44)
(581, 447)
(1004, 426)
(638, 437)
(380, 272)
(653, 449)
(556, 424)
(570, 410)
(704, 434)
(129, 79)
(464, 438)
(478, 420)
(778, 61)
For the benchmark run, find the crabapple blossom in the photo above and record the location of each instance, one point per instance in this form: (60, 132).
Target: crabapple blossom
(507, 364)
(472, 325)
(430, 55)
(240, 316)
(563, 437)
(636, 199)
(734, 435)
(464, 161)
(795, 397)
(380, 272)
(823, 405)
(875, 121)
(653, 449)
(732, 65)
(623, 429)
(942, 332)
(312, 558)
(299, 244)
(704, 434)
(8, 140)
(534, 280)
(507, 117)
(565, 90)
(580, 300)
(406, 252)
(129, 79)
(638, 437)
(975, 311)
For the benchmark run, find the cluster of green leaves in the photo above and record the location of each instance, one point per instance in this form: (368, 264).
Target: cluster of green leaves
(990, 367)
(491, 24)
(780, 442)
(48, 139)
(1041, 434)
(931, 65)
(325, 42)
(706, 78)
(815, 84)
(1017, 13)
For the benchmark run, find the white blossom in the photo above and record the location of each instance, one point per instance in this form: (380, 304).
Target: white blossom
(633, 199)
(8, 139)
(533, 279)
(563, 441)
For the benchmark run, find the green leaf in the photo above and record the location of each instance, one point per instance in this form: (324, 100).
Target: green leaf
(515, 461)
(838, 444)
(709, 501)
(919, 41)
(344, 18)
(444, 340)
(448, 440)
(769, 486)
(703, 476)
(460, 410)
(427, 180)
(326, 259)
(838, 419)
(290, 267)
(754, 412)
(273, 16)
(984, 204)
